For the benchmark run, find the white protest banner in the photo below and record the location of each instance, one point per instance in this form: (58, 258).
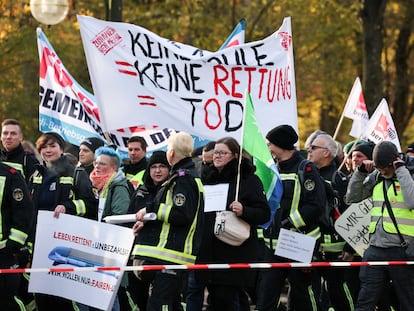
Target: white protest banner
(353, 225)
(70, 110)
(141, 78)
(356, 109)
(381, 126)
(72, 241)
(295, 246)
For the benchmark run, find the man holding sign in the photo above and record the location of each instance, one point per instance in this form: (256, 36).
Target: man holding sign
(391, 227)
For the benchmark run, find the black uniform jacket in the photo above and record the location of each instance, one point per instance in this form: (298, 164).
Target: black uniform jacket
(26, 159)
(16, 209)
(52, 191)
(312, 197)
(256, 211)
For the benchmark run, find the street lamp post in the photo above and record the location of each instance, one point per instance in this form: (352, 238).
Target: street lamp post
(49, 12)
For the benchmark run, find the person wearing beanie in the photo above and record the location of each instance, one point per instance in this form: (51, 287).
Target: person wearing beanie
(300, 208)
(87, 150)
(390, 228)
(283, 136)
(360, 153)
(347, 150)
(54, 188)
(157, 172)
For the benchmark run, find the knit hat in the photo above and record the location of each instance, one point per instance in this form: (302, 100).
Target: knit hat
(366, 149)
(158, 157)
(351, 144)
(384, 154)
(92, 143)
(283, 136)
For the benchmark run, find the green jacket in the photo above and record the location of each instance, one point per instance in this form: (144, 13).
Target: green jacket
(117, 197)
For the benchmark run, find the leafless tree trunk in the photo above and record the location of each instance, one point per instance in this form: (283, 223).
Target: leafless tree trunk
(372, 15)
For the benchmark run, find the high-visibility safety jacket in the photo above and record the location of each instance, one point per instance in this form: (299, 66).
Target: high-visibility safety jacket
(403, 216)
(16, 209)
(137, 179)
(175, 236)
(131, 170)
(22, 161)
(51, 187)
(301, 204)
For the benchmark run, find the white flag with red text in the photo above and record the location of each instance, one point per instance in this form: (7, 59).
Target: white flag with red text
(356, 109)
(381, 126)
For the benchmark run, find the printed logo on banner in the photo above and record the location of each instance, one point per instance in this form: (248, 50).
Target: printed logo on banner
(106, 40)
(286, 40)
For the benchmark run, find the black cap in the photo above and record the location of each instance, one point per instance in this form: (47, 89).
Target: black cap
(283, 136)
(158, 157)
(59, 139)
(93, 143)
(366, 148)
(384, 154)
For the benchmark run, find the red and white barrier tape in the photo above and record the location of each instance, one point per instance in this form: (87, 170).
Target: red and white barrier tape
(213, 266)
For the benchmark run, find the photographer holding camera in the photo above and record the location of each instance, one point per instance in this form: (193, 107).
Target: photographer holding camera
(389, 180)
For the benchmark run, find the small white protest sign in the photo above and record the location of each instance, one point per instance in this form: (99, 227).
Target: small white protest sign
(353, 225)
(295, 246)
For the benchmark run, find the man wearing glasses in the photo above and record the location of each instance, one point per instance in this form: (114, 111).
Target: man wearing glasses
(322, 153)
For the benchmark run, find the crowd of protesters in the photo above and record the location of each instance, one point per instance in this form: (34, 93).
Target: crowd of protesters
(170, 184)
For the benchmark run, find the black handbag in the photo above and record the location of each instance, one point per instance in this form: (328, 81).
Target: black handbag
(409, 247)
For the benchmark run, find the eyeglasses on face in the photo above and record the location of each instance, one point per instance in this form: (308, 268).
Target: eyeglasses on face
(221, 153)
(158, 167)
(100, 163)
(313, 147)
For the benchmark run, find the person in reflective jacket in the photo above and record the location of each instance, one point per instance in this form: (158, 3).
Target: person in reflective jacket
(389, 179)
(16, 218)
(174, 237)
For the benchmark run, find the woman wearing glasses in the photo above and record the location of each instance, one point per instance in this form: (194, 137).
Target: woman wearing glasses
(227, 287)
(114, 194)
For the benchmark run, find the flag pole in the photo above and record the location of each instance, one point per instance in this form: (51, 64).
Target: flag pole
(339, 125)
(241, 147)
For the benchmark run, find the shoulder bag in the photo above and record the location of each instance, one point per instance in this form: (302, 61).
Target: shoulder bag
(231, 229)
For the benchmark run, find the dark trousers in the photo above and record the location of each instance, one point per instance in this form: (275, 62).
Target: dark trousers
(375, 279)
(9, 283)
(166, 291)
(272, 281)
(139, 290)
(48, 302)
(335, 285)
